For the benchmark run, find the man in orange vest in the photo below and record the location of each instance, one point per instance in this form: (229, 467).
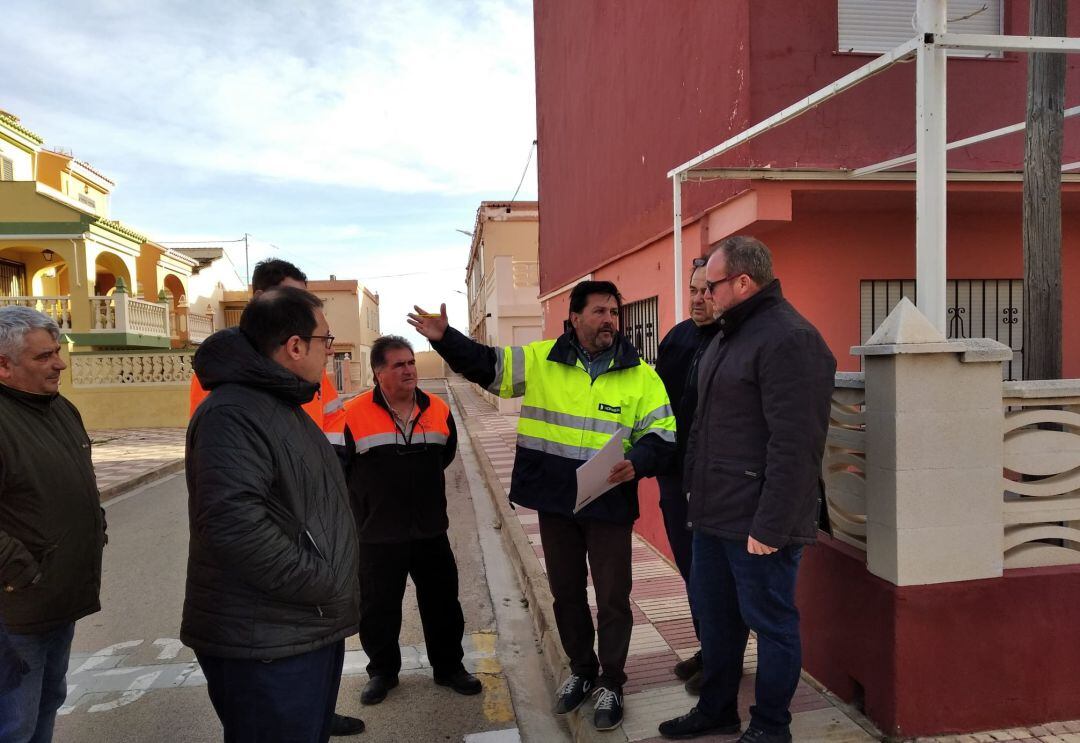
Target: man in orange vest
(395, 441)
(267, 275)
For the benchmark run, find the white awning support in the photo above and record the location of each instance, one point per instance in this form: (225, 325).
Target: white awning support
(928, 46)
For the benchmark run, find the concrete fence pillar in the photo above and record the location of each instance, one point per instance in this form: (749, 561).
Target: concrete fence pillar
(934, 428)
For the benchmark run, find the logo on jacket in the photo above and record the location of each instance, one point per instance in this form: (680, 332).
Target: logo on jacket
(610, 408)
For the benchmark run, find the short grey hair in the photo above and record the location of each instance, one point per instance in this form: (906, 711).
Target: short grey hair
(748, 255)
(16, 322)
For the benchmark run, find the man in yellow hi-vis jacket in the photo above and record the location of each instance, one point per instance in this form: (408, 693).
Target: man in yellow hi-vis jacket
(579, 390)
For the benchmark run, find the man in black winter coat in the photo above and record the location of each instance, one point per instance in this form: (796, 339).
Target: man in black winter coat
(271, 584)
(677, 361)
(753, 470)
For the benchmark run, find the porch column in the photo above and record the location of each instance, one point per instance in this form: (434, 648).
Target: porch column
(930, 173)
(934, 443)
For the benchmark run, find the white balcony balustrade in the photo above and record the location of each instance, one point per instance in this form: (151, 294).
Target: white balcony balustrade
(58, 308)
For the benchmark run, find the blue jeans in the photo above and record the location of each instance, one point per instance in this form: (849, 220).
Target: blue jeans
(288, 700)
(734, 592)
(28, 712)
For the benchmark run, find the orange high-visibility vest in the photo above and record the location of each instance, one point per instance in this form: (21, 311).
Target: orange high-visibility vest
(324, 407)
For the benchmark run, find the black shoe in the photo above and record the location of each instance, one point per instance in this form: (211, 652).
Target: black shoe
(572, 693)
(693, 684)
(462, 682)
(755, 734)
(685, 669)
(607, 708)
(342, 725)
(377, 688)
(695, 723)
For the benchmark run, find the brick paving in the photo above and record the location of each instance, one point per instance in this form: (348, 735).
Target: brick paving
(663, 631)
(129, 455)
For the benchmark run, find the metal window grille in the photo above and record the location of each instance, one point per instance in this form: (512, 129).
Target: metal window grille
(640, 322)
(87, 201)
(12, 279)
(977, 308)
(7, 169)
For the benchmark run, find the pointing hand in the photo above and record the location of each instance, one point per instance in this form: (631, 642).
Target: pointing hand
(429, 324)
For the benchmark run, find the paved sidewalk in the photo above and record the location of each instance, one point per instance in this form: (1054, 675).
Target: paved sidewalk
(126, 458)
(663, 633)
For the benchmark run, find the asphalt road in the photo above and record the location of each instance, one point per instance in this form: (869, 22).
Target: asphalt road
(130, 679)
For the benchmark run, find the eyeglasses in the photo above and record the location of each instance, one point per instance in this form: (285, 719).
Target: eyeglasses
(699, 262)
(327, 339)
(711, 285)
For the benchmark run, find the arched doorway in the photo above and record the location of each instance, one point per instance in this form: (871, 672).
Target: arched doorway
(108, 269)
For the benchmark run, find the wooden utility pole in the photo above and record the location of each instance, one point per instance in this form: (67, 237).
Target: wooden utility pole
(1042, 197)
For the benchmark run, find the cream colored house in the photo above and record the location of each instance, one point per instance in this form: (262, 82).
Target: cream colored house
(119, 298)
(502, 277)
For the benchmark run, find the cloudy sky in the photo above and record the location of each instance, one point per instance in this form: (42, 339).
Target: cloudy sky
(348, 136)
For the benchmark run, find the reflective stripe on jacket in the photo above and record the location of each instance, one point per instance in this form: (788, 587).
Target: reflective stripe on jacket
(566, 417)
(396, 481)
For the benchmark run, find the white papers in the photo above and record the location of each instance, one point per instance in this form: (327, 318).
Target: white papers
(592, 475)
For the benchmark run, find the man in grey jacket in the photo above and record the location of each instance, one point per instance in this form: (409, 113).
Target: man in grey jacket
(753, 470)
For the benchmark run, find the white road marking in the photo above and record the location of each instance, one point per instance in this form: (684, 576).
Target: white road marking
(102, 656)
(170, 648)
(138, 687)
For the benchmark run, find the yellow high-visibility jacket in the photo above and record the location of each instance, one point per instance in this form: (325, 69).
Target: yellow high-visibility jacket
(566, 416)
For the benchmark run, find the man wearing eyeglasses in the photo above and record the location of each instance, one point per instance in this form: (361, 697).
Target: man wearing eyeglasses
(271, 591)
(753, 471)
(395, 441)
(677, 364)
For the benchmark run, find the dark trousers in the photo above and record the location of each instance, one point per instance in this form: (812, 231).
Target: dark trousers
(673, 505)
(735, 592)
(28, 711)
(567, 544)
(384, 569)
(288, 700)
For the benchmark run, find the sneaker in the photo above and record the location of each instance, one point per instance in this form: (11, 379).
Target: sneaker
(693, 684)
(343, 725)
(686, 669)
(694, 723)
(572, 693)
(607, 708)
(377, 688)
(755, 734)
(462, 682)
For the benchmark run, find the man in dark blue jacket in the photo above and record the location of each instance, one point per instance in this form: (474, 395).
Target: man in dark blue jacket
(677, 364)
(753, 471)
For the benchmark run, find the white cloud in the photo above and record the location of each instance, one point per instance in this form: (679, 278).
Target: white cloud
(398, 96)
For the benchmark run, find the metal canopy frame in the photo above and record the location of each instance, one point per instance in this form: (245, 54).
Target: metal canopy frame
(928, 47)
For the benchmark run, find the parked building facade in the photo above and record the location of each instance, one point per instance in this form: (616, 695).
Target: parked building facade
(502, 279)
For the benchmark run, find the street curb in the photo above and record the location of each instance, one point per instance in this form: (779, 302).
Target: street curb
(169, 468)
(534, 584)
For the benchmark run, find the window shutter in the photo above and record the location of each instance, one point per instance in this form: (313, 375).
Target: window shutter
(879, 25)
(7, 169)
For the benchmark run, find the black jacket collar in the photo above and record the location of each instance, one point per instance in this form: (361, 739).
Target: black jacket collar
(228, 356)
(563, 352)
(37, 402)
(769, 296)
